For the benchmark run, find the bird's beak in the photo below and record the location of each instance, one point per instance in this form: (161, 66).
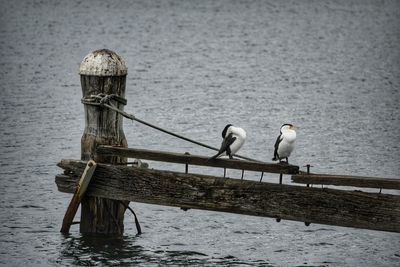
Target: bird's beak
(294, 127)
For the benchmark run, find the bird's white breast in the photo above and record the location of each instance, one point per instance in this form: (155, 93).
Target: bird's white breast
(240, 135)
(286, 146)
(289, 136)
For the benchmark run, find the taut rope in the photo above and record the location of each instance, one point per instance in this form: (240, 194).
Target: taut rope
(104, 100)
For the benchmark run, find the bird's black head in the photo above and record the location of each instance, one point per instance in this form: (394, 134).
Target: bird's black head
(286, 124)
(225, 130)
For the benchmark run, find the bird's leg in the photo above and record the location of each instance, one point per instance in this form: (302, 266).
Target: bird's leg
(242, 175)
(228, 152)
(262, 174)
(287, 160)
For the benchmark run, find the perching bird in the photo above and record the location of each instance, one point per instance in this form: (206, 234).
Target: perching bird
(284, 144)
(234, 138)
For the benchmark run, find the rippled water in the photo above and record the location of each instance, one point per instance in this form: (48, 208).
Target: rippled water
(331, 67)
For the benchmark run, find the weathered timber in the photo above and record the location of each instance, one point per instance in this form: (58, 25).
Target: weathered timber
(347, 180)
(77, 198)
(102, 72)
(298, 203)
(197, 160)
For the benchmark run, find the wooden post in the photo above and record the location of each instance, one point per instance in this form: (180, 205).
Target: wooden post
(102, 72)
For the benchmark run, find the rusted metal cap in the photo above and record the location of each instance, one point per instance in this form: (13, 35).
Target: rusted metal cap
(103, 62)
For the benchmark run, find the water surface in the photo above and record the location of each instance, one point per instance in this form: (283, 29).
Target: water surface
(331, 67)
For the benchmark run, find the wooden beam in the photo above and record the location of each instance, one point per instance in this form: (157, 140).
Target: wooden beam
(198, 160)
(298, 203)
(347, 180)
(78, 195)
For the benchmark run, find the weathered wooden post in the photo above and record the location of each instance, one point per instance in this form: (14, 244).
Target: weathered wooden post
(102, 72)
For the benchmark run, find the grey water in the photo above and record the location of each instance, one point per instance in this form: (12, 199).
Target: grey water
(331, 67)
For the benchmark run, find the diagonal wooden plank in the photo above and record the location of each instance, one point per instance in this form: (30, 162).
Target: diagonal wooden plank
(80, 190)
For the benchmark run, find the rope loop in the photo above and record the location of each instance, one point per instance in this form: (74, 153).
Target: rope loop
(103, 99)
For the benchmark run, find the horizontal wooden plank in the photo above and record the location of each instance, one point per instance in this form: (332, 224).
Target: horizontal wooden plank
(298, 203)
(347, 180)
(198, 160)
(66, 183)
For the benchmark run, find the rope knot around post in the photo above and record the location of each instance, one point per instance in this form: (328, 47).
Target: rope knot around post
(102, 99)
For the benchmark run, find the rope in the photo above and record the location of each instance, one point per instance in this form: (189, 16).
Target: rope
(138, 228)
(103, 100)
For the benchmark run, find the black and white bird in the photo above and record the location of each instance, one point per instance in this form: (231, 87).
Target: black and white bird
(284, 144)
(233, 139)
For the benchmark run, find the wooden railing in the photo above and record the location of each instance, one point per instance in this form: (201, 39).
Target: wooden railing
(347, 180)
(197, 160)
(281, 201)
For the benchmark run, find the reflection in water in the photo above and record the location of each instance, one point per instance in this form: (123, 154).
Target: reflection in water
(109, 251)
(88, 250)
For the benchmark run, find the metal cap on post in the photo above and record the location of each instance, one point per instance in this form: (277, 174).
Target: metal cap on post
(102, 72)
